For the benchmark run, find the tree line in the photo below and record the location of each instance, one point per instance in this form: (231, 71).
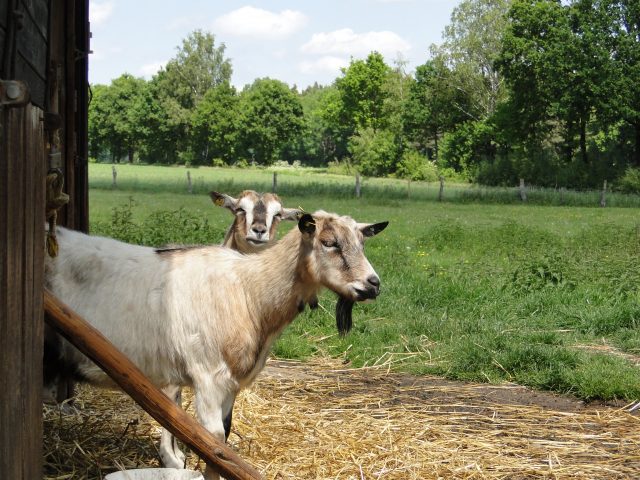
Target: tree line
(541, 89)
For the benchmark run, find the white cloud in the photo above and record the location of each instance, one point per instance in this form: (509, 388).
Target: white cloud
(327, 64)
(181, 23)
(347, 42)
(104, 53)
(255, 22)
(150, 69)
(99, 12)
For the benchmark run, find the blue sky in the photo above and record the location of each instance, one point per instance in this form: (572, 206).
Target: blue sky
(298, 42)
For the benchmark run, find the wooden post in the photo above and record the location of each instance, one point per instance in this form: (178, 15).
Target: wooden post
(441, 192)
(93, 344)
(603, 195)
(22, 205)
(189, 186)
(114, 174)
(357, 184)
(274, 185)
(523, 193)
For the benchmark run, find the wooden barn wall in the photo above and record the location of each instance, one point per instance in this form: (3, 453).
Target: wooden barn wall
(24, 35)
(68, 99)
(22, 150)
(43, 43)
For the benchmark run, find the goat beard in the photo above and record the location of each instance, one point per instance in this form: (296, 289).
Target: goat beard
(344, 308)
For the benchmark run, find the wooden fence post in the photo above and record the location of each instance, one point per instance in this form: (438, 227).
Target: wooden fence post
(603, 195)
(189, 186)
(441, 192)
(274, 185)
(114, 174)
(357, 184)
(523, 193)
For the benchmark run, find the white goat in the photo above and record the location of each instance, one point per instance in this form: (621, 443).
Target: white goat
(206, 317)
(256, 220)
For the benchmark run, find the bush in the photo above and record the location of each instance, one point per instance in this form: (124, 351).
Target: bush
(415, 166)
(162, 227)
(374, 152)
(340, 168)
(630, 181)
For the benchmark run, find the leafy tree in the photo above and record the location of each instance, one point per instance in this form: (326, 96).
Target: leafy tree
(556, 62)
(360, 101)
(316, 143)
(215, 127)
(362, 92)
(433, 107)
(99, 126)
(472, 43)
(197, 67)
(396, 89)
(159, 144)
(623, 30)
(469, 145)
(117, 115)
(271, 117)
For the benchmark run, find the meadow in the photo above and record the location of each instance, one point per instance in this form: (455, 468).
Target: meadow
(477, 287)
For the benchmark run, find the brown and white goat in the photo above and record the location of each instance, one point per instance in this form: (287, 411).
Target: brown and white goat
(206, 317)
(256, 220)
(257, 216)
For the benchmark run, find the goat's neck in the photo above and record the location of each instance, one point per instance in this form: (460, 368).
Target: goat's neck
(285, 278)
(277, 284)
(229, 237)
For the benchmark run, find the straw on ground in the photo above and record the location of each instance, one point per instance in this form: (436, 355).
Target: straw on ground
(320, 420)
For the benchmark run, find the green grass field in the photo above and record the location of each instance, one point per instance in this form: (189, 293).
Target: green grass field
(473, 289)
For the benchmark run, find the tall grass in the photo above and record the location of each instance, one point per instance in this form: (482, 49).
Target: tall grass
(304, 182)
(545, 296)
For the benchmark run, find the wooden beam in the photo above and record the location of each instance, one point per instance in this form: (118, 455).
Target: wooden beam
(131, 379)
(22, 150)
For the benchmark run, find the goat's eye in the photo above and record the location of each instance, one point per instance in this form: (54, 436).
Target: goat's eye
(330, 243)
(277, 216)
(239, 211)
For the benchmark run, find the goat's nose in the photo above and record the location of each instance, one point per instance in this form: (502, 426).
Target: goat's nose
(374, 280)
(259, 228)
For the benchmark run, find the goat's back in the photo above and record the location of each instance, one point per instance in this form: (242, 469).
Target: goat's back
(154, 306)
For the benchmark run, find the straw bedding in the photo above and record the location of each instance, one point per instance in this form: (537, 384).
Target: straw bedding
(320, 420)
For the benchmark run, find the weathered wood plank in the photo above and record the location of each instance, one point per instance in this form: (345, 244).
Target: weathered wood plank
(21, 275)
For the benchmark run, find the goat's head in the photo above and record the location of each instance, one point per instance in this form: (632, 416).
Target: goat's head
(257, 217)
(337, 258)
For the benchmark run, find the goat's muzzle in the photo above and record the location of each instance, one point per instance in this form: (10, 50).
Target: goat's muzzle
(370, 291)
(257, 242)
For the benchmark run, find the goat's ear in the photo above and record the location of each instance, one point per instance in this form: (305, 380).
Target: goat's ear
(292, 214)
(307, 224)
(371, 229)
(223, 200)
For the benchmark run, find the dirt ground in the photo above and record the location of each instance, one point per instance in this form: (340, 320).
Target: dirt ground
(321, 420)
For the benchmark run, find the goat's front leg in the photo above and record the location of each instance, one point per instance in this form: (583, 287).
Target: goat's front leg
(213, 408)
(170, 454)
